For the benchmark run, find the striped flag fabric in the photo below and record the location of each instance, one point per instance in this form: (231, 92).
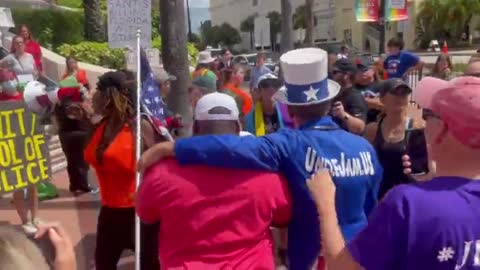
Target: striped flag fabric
(152, 103)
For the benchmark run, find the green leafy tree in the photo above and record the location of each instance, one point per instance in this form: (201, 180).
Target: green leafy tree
(275, 26)
(248, 26)
(444, 19)
(228, 35)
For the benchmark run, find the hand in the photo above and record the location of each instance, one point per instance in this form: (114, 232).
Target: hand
(64, 253)
(338, 110)
(155, 153)
(421, 178)
(322, 188)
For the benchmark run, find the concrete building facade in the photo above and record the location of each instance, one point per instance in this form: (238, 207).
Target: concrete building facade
(335, 21)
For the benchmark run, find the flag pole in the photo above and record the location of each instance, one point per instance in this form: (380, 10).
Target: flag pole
(138, 146)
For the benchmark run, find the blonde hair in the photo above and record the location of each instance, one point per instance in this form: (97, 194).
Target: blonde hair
(18, 252)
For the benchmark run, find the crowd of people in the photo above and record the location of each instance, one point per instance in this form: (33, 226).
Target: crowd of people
(308, 171)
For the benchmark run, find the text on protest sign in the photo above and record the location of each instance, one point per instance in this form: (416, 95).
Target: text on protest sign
(24, 156)
(125, 17)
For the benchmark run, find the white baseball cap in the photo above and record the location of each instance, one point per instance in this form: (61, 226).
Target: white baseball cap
(214, 100)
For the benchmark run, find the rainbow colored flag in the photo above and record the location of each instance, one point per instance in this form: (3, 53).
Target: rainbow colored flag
(366, 10)
(396, 10)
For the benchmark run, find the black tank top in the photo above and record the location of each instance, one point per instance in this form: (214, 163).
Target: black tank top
(390, 156)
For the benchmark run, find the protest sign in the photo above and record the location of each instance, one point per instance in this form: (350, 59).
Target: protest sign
(125, 17)
(24, 156)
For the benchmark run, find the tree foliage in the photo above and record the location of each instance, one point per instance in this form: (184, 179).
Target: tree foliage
(444, 20)
(275, 25)
(220, 35)
(248, 25)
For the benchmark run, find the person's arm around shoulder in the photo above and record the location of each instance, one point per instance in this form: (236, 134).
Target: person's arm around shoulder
(381, 245)
(227, 151)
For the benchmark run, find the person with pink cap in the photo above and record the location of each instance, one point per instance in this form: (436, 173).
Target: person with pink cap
(427, 225)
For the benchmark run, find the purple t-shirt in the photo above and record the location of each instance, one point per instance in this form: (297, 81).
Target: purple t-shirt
(433, 225)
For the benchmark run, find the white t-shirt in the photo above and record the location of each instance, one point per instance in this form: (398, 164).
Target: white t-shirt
(25, 65)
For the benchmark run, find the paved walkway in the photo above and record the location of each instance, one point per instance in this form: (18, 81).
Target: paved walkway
(77, 214)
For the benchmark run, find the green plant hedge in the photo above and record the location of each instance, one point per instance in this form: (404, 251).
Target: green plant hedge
(100, 54)
(51, 27)
(95, 53)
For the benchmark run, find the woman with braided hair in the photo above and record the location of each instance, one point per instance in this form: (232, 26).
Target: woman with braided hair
(111, 152)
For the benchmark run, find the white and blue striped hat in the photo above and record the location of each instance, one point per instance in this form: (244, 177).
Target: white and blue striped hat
(306, 78)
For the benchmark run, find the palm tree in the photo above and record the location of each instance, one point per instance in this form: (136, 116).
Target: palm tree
(175, 56)
(444, 19)
(94, 29)
(275, 27)
(309, 22)
(248, 26)
(287, 27)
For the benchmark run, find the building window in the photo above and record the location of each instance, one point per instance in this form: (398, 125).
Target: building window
(255, 3)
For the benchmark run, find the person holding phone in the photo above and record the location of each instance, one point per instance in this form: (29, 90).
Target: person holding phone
(349, 109)
(428, 225)
(367, 82)
(389, 135)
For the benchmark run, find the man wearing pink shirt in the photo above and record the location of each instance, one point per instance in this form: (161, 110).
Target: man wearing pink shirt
(213, 218)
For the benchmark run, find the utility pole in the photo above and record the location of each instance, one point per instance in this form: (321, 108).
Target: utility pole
(189, 22)
(383, 26)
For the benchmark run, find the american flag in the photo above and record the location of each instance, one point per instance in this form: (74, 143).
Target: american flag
(151, 101)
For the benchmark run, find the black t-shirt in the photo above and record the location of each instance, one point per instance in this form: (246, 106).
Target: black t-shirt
(372, 114)
(353, 103)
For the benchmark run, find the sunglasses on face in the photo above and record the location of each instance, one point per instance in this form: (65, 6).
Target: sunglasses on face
(427, 114)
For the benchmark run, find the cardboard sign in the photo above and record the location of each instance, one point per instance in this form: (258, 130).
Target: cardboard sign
(125, 17)
(24, 155)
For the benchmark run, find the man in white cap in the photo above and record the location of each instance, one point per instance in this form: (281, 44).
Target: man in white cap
(214, 218)
(298, 153)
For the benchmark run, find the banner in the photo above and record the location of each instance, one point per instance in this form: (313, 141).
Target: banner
(367, 10)
(125, 17)
(24, 155)
(396, 10)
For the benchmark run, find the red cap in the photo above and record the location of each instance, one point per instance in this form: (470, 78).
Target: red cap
(72, 93)
(457, 102)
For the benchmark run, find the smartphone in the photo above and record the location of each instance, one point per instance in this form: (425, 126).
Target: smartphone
(417, 151)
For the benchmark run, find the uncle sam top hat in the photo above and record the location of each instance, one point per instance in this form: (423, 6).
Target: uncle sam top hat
(306, 78)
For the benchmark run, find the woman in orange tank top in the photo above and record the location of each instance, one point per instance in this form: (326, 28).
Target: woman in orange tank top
(111, 152)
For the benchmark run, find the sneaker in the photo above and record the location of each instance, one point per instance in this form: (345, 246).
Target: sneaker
(29, 228)
(38, 222)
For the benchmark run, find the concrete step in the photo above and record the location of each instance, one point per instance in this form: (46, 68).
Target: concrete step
(57, 157)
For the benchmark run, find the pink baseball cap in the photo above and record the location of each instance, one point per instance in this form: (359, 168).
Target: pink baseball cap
(456, 102)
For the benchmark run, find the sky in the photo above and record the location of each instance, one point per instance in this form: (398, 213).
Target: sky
(199, 13)
(199, 3)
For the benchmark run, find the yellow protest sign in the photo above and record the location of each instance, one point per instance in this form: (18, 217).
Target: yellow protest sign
(24, 156)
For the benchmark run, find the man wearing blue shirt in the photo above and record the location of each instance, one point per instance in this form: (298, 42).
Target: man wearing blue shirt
(316, 142)
(399, 62)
